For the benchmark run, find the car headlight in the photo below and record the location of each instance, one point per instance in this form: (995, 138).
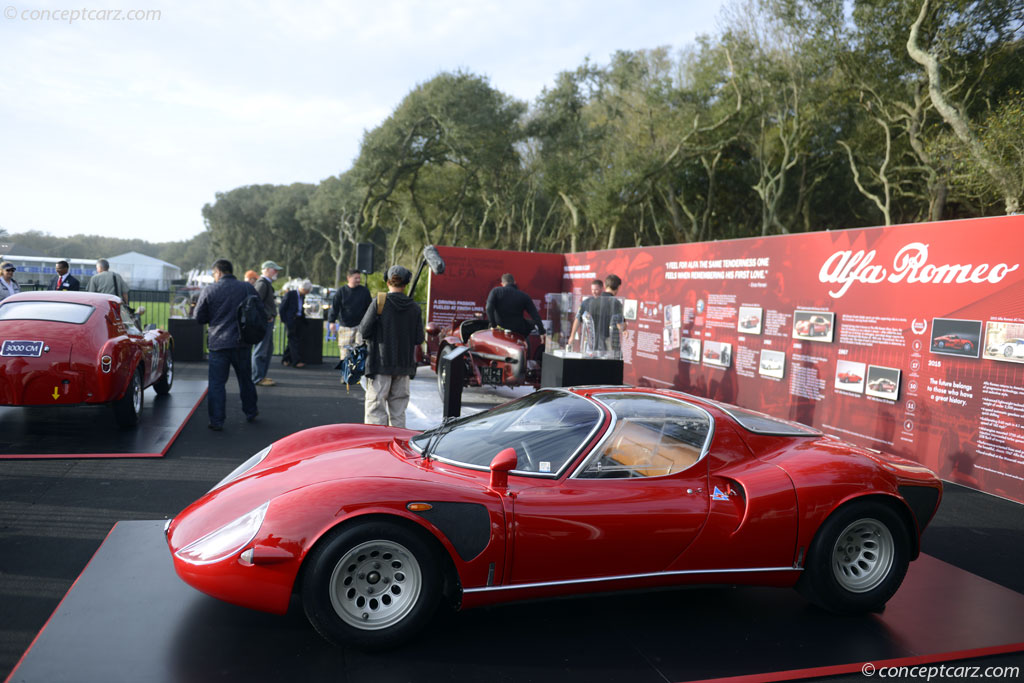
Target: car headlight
(243, 468)
(226, 540)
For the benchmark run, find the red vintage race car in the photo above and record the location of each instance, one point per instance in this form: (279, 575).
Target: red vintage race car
(750, 321)
(62, 348)
(815, 326)
(957, 342)
(496, 356)
(882, 385)
(562, 492)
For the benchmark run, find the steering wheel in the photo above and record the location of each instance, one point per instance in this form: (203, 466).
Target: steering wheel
(524, 453)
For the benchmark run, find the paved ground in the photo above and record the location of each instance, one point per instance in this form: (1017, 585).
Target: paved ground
(55, 513)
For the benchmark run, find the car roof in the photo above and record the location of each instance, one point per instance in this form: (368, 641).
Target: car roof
(90, 298)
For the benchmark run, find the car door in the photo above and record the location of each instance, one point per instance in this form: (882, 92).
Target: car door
(631, 507)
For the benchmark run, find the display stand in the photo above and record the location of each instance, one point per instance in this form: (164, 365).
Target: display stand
(312, 340)
(561, 371)
(129, 617)
(188, 338)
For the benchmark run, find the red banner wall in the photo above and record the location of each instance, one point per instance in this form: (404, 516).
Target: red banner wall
(470, 274)
(902, 338)
(898, 338)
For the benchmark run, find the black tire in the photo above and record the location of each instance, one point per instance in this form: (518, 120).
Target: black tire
(372, 585)
(163, 385)
(857, 560)
(128, 408)
(441, 378)
(941, 344)
(1008, 352)
(968, 347)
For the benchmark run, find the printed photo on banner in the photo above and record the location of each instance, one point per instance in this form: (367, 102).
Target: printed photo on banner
(689, 349)
(883, 382)
(717, 353)
(952, 337)
(813, 325)
(750, 319)
(850, 376)
(1004, 342)
(773, 364)
(629, 309)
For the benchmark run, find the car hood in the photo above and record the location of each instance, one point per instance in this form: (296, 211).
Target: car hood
(368, 455)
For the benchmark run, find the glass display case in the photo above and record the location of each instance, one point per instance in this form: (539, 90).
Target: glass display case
(590, 329)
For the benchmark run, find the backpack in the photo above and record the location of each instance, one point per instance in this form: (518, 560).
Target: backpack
(252, 320)
(354, 365)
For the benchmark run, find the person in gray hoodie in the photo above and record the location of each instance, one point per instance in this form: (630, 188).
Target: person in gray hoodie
(392, 335)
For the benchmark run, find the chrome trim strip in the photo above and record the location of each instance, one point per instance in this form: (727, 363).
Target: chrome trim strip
(611, 427)
(629, 577)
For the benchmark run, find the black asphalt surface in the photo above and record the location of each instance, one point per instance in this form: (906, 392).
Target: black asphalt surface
(55, 513)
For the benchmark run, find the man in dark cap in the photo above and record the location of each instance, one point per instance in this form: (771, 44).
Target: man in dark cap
(393, 328)
(8, 285)
(506, 305)
(218, 306)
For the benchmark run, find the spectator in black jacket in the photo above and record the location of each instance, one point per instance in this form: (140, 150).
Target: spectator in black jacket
(347, 311)
(393, 336)
(293, 316)
(218, 306)
(506, 305)
(262, 352)
(62, 281)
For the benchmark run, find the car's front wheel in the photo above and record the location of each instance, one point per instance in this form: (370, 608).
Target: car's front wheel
(373, 585)
(941, 344)
(857, 560)
(128, 408)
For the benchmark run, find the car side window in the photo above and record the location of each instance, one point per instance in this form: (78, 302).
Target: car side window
(653, 437)
(129, 321)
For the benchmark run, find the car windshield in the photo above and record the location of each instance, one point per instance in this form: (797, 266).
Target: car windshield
(56, 311)
(546, 429)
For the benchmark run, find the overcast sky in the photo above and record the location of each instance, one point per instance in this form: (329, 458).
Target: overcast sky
(127, 127)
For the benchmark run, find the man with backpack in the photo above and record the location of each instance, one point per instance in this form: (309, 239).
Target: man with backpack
(219, 305)
(392, 328)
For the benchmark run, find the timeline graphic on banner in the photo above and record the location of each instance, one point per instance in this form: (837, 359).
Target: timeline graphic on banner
(908, 339)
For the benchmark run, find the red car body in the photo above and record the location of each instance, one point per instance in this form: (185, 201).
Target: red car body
(815, 326)
(953, 341)
(882, 385)
(750, 321)
(732, 506)
(848, 378)
(62, 348)
(497, 357)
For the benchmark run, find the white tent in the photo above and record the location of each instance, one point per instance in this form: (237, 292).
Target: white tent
(144, 272)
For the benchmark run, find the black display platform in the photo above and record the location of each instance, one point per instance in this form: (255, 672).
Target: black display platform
(89, 431)
(559, 371)
(129, 618)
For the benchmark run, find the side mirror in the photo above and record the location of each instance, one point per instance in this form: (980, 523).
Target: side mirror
(501, 465)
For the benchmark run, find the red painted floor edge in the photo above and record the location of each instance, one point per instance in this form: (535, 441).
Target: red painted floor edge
(57, 608)
(839, 669)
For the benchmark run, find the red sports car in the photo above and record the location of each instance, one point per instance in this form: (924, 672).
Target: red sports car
(815, 326)
(562, 492)
(63, 348)
(750, 322)
(848, 378)
(882, 385)
(957, 342)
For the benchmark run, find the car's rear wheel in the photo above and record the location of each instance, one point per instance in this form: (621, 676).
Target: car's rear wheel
(857, 560)
(1008, 352)
(968, 347)
(163, 385)
(372, 585)
(128, 408)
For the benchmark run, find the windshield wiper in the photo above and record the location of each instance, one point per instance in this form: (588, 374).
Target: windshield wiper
(446, 426)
